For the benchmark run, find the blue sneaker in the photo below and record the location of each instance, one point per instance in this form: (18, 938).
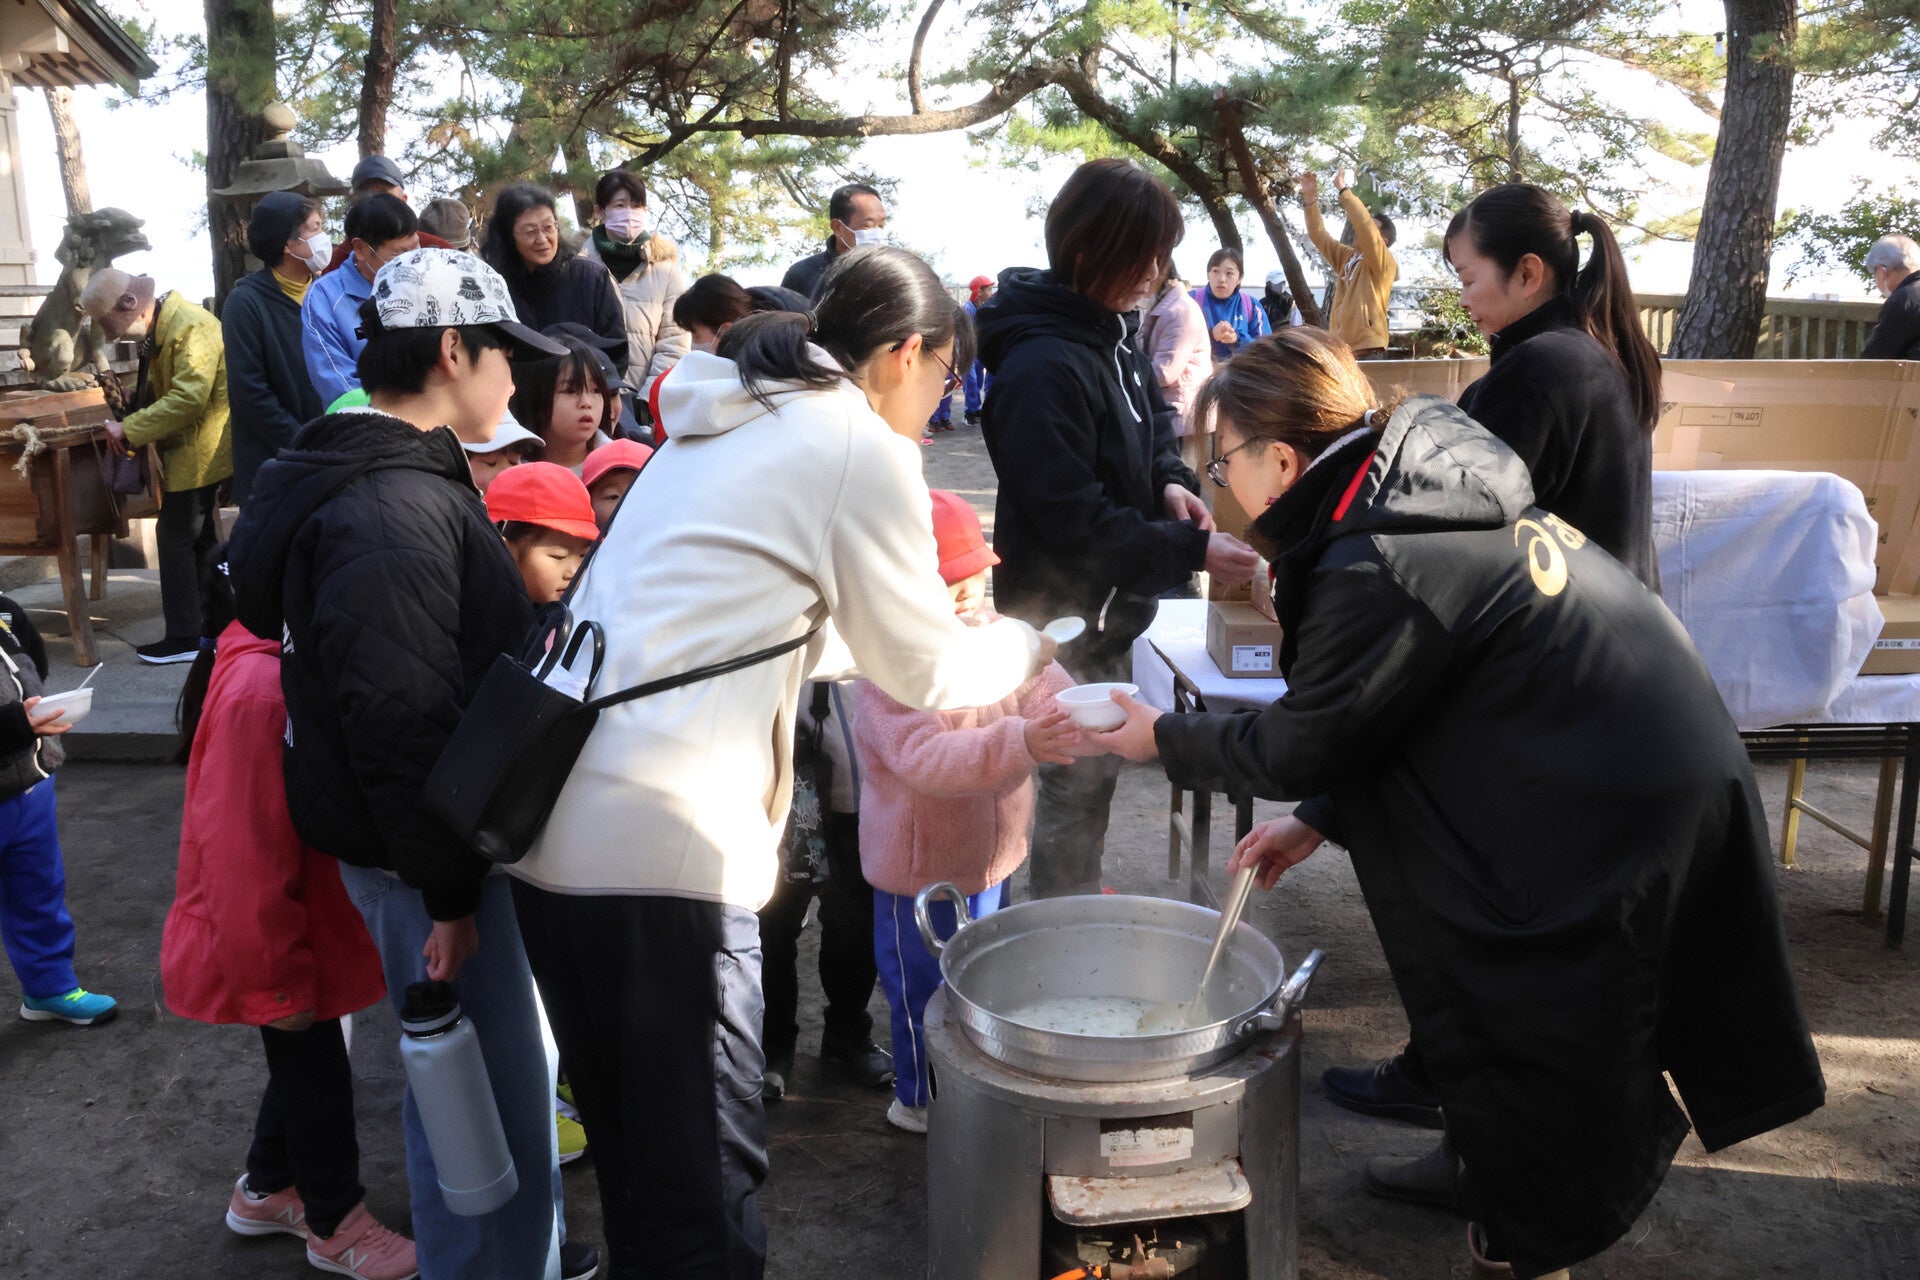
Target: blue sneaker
(79, 1006)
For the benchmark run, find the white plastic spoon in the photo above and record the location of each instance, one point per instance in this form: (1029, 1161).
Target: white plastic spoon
(1065, 630)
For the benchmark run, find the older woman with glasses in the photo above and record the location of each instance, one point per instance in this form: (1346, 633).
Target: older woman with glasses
(550, 283)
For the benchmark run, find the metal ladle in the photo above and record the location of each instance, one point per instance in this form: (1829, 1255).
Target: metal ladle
(1168, 1016)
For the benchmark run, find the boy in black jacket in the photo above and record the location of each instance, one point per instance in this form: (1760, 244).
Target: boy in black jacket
(368, 547)
(33, 882)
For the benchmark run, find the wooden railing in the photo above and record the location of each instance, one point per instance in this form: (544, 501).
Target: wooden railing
(1793, 328)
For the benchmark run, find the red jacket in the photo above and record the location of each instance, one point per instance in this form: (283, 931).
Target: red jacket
(261, 926)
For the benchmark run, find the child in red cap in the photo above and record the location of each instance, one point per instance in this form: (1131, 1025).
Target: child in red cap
(608, 474)
(947, 795)
(545, 515)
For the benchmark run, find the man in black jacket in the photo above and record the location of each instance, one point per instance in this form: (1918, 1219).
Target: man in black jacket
(268, 390)
(368, 548)
(856, 216)
(1894, 262)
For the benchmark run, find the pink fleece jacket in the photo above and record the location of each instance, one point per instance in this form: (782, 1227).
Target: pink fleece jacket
(948, 795)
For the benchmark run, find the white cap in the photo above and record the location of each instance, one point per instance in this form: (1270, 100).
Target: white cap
(508, 434)
(1277, 279)
(436, 287)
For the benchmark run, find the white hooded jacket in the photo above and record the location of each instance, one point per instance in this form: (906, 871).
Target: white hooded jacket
(749, 528)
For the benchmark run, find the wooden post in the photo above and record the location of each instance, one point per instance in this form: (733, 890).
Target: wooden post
(66, 141)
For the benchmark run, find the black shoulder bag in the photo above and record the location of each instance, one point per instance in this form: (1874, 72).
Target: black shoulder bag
(500, 773)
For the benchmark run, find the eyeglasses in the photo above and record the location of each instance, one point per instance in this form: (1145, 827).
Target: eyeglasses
(954, 378)
(1217, 469)
(539, 231)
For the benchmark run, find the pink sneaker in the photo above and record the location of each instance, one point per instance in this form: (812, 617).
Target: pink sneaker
(278, 1214)
(363, 1249)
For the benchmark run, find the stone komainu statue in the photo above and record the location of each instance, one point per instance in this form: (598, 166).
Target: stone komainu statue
(56, 346)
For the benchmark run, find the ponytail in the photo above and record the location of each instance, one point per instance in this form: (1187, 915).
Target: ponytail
(217, 610)
(870, 299)
(1604, 297)
(1508, 222)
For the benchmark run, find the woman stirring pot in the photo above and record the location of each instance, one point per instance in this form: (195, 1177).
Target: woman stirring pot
(1549, 810)
(789, 498)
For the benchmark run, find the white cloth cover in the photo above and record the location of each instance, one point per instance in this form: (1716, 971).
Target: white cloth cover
(1180, 629)
(1771, 573)
(1875, 700)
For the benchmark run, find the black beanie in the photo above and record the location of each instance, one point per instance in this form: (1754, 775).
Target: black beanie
(275, 219)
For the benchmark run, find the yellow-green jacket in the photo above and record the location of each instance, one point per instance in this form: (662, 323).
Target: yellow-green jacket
(186, 414)
(1366, 271)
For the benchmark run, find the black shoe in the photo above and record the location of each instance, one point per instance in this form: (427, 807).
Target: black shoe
(862, 1059)
(578, 1261)
(1435, 1180)
(172, 649)
(973, 419)
(777, 1076)
(1383, 1089)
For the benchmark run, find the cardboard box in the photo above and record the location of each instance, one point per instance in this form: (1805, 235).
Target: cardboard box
(1243, 642)
(1853, 418)
(1897, 651)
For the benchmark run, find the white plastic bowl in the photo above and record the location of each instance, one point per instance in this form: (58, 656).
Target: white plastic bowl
(1092, 706)
(75, 703)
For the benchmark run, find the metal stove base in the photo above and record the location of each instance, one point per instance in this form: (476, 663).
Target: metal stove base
(996, 1136)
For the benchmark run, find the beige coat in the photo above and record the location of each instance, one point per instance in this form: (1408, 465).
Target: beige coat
(654, 342)
(1366, 270)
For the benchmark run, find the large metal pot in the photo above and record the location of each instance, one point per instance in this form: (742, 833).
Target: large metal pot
(1108, 945)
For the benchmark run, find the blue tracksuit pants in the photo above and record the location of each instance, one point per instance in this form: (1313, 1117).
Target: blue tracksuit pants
(34, 922)
(909, 974)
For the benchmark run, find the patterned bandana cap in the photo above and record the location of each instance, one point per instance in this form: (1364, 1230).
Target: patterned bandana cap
(431, 288)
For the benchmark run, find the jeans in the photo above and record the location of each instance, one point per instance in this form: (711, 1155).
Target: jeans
(910, 974)
(656, 1004)
(304, 1137)
(520, 1240)
(1073, 801)
(185, 533)
(846, 947)
(34, 922)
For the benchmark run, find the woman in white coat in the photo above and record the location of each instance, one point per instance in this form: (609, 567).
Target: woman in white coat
(646, 274)
(788, 499)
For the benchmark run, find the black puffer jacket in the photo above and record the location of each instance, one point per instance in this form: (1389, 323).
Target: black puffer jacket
(571, 288)
(1896, 334)
(1551, 816)
(1562, 402)
(368, 548)
(1083, 444)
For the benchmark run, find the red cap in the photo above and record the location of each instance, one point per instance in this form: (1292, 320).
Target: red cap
(975, 285)
(963, 547)
(546, 494)
(630, 454)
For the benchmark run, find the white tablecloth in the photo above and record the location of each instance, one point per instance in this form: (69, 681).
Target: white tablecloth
(1180, 629)
(1874, 700)
(1771, 573)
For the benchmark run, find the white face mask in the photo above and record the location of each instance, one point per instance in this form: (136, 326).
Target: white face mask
(319, 251)
(869, 235)
(625, 224)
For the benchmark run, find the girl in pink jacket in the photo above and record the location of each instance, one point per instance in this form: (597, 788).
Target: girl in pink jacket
(946, 795)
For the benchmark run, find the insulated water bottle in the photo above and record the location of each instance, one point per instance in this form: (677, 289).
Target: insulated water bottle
(448, 1077)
